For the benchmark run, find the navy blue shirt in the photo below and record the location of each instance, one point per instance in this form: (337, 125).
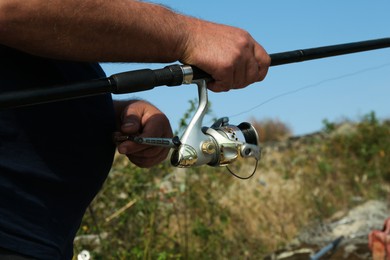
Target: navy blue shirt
(54, 157)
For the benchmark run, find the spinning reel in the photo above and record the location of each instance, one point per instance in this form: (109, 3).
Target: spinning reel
(221, 144)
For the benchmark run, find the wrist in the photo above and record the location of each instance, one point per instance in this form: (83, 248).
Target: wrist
(191, 30)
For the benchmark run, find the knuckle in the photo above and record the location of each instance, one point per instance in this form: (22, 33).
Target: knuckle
(226, 66)
(244, 40)
(266, 61)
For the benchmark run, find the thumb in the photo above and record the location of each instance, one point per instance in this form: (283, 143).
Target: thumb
(131, 124)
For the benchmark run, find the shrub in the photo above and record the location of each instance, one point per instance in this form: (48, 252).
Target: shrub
(271, 130)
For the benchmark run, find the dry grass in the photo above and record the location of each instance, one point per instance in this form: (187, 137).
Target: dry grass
(205, 213)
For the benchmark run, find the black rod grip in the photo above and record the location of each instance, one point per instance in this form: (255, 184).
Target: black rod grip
(327, 51)
(145, 79)
(133, 81)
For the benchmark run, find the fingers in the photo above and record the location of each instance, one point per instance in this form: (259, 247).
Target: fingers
(249, 71)
(263, 60)
(148, 157)
(143, 119)
(230, 55)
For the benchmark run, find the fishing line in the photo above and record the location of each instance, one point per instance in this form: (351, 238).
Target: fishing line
(313, 85)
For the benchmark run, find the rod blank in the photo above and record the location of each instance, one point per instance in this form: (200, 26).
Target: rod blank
(327, 51)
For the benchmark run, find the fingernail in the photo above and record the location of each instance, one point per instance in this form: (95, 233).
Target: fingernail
(128, 123)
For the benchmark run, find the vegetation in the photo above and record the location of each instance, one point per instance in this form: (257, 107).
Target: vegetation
(271, 130)
(205, 213)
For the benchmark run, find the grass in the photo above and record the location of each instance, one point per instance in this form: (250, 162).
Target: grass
(205, 213)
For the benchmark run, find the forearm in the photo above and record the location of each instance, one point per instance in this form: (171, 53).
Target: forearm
(93, 30)
(132, 31)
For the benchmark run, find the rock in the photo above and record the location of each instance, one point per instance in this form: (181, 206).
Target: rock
(353, 226)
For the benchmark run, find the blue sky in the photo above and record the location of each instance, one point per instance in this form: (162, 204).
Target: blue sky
(348, 86)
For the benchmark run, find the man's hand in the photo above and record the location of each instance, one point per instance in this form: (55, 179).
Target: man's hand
(230, 55)
(140, 118)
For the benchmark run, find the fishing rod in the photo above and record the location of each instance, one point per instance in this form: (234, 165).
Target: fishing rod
(173, 75)
(222, 143)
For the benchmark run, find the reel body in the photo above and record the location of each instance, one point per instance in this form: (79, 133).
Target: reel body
(217, 145)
